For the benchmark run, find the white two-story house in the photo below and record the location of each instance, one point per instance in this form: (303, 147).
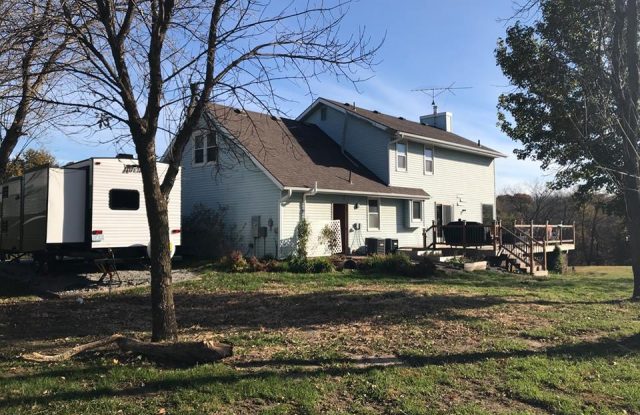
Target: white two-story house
(370, 174)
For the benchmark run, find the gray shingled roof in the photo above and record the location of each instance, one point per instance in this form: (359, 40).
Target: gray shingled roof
(406, 126)
(297, 154)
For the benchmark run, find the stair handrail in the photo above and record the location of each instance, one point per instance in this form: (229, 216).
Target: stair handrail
(526, 255)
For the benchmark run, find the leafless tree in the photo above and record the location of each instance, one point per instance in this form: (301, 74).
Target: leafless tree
(31, 45)
(151, 67)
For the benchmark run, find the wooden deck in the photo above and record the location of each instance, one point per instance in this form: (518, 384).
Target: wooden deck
(524, 246)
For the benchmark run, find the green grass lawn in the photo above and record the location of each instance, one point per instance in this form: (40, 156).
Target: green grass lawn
(342, 343)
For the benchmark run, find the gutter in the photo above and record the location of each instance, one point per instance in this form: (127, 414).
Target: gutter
(315, 190)
(286, 197)
(454, 146)
(309, 192)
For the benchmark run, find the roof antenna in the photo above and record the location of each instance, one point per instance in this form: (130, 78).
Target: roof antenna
(436, 91)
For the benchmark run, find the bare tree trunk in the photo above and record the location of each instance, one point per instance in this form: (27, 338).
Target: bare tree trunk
(594, 233)
(630, 138)
(164, 324)
(633, 227)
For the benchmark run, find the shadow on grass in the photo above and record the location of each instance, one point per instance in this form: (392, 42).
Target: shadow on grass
(311, 368)
(99, 316)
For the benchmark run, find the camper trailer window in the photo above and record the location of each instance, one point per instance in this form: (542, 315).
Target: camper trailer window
(198, 150)
(124, 199)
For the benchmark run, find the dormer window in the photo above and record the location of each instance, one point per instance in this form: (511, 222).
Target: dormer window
(212, 148)
(205, 149)
(198, 150)
(401, 157)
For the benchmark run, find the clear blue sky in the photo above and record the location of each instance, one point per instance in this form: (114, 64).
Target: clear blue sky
(428, 43)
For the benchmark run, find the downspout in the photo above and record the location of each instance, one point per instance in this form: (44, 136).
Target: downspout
(286, 197)
(310, 192)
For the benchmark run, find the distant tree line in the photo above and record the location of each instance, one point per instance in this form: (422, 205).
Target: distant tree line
(601, 235)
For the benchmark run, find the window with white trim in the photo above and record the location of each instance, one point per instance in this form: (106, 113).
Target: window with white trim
(373, 214)
(416, 211)
(198, 150)
(401, 156)
(428, 160)
(205, 149)
(212, 148)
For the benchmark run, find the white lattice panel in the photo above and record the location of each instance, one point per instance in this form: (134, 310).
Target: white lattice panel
(318, 245)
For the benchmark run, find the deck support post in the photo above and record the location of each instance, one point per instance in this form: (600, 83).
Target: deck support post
(434, 233)
(464, 236)
(531, 254)
(544, 246)
(495, 238)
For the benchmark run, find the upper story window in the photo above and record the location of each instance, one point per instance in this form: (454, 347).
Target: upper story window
(205, 149)
(401, 156)
(428, 160)
(323, 113)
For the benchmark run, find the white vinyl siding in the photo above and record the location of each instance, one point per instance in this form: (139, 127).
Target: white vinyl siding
(464, 181)
(366, 143)
(318, 208)
(238, 185)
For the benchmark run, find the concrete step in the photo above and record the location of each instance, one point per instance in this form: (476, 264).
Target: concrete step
(540, 273)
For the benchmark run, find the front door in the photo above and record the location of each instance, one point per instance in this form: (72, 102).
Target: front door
(340, 213)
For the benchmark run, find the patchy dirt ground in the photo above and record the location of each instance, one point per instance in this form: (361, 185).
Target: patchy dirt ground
(341, 343)
(77, 278)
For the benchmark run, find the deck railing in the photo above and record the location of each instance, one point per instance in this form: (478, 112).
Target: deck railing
(521, 241)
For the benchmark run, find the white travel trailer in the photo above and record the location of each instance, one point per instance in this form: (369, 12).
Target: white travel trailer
(90, 206)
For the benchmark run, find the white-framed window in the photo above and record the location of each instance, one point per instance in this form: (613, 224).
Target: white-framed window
(373, 214)
(198, 150)
(205, 149)
(428, 160)
(212, 148)
(416, 211)
(401, 156)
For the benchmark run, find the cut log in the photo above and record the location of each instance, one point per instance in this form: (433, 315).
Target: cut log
(186, 353)
(182, 353)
